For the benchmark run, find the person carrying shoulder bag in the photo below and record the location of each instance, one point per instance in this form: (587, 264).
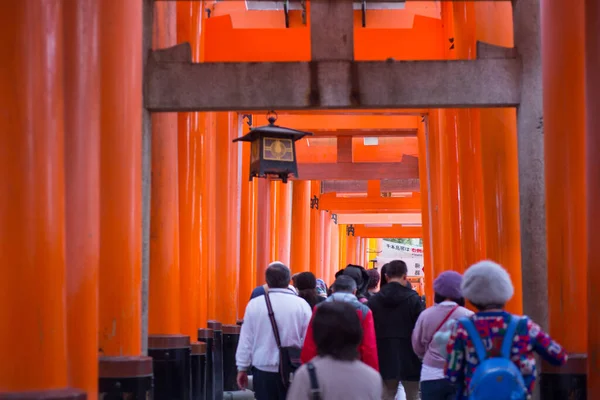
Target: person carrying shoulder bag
(271, 336)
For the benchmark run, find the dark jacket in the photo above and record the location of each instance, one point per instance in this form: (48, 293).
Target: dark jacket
(395, 311)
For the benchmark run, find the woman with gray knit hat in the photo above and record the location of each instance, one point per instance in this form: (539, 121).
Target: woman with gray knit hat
(449, 305)
(488, 287)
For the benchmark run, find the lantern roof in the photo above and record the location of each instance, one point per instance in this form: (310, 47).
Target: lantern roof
(274, 130)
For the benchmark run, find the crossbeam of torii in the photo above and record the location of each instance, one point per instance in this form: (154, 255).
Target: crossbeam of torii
(500, 77)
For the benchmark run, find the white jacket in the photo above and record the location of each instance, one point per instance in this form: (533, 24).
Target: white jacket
(257, 345)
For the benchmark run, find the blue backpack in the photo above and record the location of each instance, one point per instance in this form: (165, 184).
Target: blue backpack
(496, 378)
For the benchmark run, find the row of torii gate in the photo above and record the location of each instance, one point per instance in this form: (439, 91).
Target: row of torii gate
(83, 216)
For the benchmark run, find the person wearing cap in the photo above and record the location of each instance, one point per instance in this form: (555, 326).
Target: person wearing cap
(360, 276)
(488, 287)
(449, 305)
(344, 291)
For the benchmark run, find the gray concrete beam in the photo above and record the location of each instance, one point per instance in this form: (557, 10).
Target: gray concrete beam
(148, 23)
(530, 128)
(186, 86)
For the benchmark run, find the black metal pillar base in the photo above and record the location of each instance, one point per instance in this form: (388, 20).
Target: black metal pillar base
(207, 336)
(231, 338)
(57, 394)
(125, 378)
(216, 326)
(198, 371)
(171, 361)
(566, 382)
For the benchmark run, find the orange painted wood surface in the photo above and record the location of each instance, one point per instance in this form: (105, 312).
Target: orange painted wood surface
(426, 229)
(500, 168)
(82, 185)
(247, 233)
(121, 203)
(285, 223)
(227, 212)
(170, 308)
(192, 129)
(227, 44)
(263, 234)
(32, 205)
(472, 220)
(300, 248)
(329, 201)
(563, 53)
(316, 234)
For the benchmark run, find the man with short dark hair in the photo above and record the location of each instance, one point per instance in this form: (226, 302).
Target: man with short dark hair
(260, 290)
(257, 345)
(395, 311)
(344, 291)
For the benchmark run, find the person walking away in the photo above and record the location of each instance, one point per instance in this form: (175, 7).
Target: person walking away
(360, 276)
(373, 282)
(337, 374)
(344, 289)
(396, 309)
(260, 290)
(258, 345)
(497, 345)
(449, 305)
(306, 284)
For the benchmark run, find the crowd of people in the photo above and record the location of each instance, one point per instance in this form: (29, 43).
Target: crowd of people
(369, 337)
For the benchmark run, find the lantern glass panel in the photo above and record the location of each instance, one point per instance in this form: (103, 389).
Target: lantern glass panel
(278, 149)
(255, 151)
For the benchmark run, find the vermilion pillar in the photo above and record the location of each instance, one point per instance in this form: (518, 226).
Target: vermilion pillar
(164, 291)
(209, 216)
(351, 252)
(359, 250)
(500, 167)
(263, 228)
(434, 169)
(120, 194)
(274, 219)
(450, 190)
(592, 138)
(284, 216)
(321, 246)
(316, 235)
(194, 138)
(191, 129)
(32, 206)
(469, 147)
(342, 246)
(334, 255)
(82, 185)
(227, 216)
(424, 183)
(300, 248)
(448, 141)
(563, 47)
(247, 233)
(326, 219)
